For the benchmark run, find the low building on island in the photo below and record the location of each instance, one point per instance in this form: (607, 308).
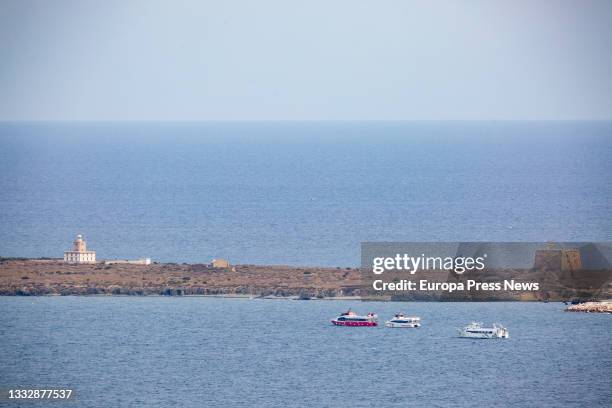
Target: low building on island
(220, 263)
(79, 253)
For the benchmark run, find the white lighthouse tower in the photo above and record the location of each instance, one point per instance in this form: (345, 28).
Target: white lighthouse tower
(79, 253)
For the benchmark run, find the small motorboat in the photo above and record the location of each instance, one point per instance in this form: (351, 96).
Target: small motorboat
(402, 321)
(351, 318)
(475, 330)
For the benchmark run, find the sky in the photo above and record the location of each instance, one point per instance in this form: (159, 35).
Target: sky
(305, 60)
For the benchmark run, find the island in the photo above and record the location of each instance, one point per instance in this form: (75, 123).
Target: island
(20, 276)
(47, 277)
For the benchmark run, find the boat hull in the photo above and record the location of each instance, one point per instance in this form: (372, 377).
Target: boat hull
(402, 325)
(354, 324)
(498, 335)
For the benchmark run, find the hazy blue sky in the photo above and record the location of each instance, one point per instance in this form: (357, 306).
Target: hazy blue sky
(312, 59)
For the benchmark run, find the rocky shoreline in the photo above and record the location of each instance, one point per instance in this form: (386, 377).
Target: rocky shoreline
(591, 307)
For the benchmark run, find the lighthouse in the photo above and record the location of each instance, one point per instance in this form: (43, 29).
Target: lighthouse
(79, 253)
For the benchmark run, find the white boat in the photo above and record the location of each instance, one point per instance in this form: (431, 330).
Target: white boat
(475, 331)
(399, 320)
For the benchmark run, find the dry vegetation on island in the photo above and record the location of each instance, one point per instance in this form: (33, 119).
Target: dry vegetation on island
(54, 277)
(27, 277)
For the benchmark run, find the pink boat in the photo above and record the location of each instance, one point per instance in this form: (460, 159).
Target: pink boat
(351, 318)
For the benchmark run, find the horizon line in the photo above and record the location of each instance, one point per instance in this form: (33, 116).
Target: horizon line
(3, 121)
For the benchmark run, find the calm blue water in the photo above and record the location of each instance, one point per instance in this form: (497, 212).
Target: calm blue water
(193, 352)
(298, 193)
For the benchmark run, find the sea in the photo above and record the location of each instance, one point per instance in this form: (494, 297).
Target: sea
(297, 193)
(217, 352)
